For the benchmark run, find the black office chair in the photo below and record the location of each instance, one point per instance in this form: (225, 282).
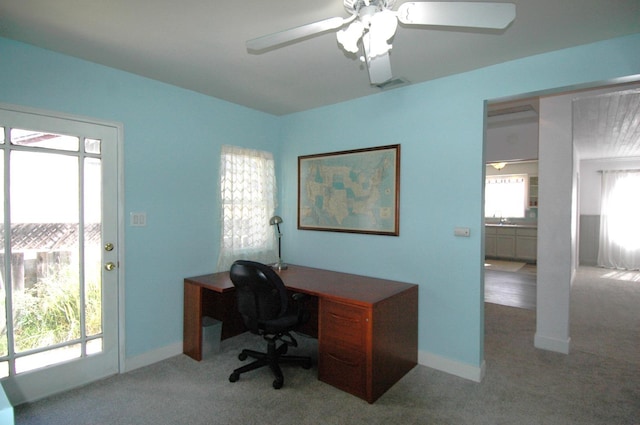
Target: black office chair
(264, 305)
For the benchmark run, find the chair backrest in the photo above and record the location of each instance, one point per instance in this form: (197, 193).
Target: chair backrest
(260, 292)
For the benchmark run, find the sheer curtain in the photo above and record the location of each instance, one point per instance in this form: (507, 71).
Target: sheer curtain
(248, 201)
(620, 220)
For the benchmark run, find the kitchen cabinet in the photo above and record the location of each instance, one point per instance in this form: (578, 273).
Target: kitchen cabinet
(526, 244)
(490, 234)
(506, 242)
(511, 242)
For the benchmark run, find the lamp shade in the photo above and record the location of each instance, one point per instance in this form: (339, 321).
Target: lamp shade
(276, 219)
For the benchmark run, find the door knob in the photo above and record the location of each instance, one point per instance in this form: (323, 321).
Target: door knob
(109, 266)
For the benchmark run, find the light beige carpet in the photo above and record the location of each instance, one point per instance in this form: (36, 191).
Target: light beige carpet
(503, 266)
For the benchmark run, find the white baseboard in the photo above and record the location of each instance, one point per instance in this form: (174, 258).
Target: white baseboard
(552, 344)
(152, 357)
(463, 370)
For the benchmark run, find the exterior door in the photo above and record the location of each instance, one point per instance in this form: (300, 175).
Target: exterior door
(58, 253)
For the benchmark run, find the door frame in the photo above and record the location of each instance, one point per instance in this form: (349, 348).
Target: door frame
(120, 250)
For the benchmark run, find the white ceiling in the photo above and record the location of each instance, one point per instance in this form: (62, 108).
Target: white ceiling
(200, 45)
(606, 123)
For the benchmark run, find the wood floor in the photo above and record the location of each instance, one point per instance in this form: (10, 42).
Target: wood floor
(514, 289)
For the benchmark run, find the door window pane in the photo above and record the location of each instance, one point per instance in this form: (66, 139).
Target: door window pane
(94, 346)
(92, 145)
(47, 358)
(44, 249)
(93, 248)
(44, 140)
(3, 287)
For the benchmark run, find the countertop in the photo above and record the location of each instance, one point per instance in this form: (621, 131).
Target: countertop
(522, 225)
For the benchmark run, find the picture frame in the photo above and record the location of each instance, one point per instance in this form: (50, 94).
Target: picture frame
(354, 191)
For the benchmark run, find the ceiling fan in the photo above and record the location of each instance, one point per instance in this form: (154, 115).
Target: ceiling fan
(373, 24)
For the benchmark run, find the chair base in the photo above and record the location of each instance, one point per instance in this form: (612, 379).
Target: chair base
(272, 358)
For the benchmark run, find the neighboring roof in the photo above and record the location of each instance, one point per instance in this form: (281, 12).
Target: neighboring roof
(50, 236)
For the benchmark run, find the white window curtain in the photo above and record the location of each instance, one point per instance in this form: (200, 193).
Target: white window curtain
(248, 201)
(620, 220)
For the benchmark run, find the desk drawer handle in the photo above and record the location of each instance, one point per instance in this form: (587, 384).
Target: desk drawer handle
(345, 319)
(347, 362)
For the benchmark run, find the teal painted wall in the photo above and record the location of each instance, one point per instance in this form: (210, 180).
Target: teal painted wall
(172, 144)
(440, 127)
(172, 140)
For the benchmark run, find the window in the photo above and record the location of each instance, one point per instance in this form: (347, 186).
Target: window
(619, 220)
(248, 200)
(505, 196)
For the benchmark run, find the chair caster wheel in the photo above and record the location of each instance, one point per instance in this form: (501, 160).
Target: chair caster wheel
(242, 356)
(306, 365)
(277, 383)
(234, 377)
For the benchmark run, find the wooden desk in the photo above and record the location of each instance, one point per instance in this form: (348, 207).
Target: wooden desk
(367, 328)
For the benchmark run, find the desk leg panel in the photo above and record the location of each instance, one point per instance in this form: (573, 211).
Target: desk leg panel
(192, 325)
(395, 340)
(223, 307)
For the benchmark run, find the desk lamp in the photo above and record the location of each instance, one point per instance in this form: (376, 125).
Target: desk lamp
(276, 219)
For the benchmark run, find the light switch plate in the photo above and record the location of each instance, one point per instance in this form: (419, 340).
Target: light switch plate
(138, 219)
(462, 231)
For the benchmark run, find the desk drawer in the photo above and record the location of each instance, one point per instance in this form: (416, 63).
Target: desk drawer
(343, 323)
(343, 367)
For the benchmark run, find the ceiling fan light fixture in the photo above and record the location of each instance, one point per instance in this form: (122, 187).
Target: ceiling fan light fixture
(349, 37)
(352, 6)
(383, 28)
(498, 165)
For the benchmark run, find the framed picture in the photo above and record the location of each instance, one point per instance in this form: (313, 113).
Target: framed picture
(355, 191)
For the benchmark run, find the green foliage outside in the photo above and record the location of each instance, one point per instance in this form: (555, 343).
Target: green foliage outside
(49, 312)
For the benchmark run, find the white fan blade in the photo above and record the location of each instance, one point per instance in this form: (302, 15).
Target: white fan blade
(273, 40)
(458, 14)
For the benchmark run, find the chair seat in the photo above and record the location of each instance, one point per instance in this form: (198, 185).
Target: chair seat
(277, 325)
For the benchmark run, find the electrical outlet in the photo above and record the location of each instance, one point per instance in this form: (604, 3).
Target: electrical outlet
(462, 231)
